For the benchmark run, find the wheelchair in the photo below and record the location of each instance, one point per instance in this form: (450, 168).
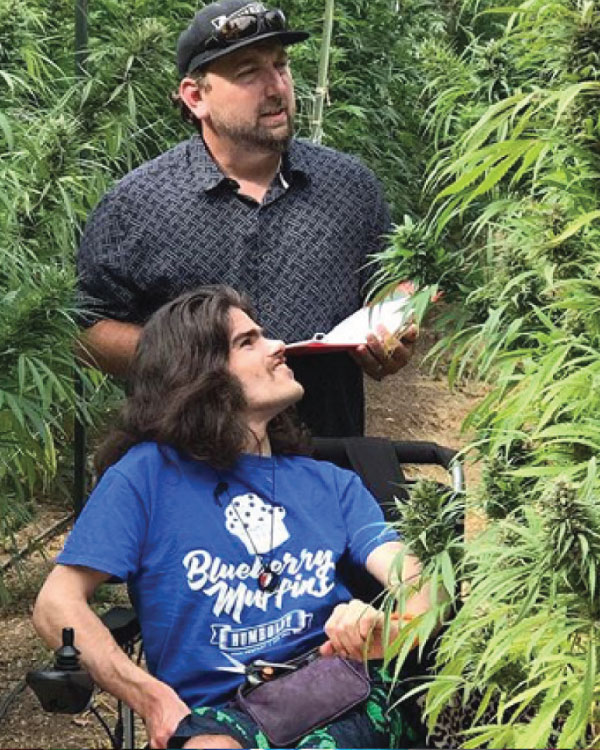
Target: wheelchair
(65, 687)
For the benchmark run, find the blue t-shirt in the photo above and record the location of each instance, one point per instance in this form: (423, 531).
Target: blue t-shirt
(189, 543)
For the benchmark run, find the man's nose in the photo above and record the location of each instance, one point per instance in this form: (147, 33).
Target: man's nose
(276, 83)
(276, 347)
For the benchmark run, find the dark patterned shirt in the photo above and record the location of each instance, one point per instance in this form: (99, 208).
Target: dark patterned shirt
(177, 222)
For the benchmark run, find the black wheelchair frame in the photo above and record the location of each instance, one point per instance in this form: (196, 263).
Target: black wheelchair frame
(65, 687)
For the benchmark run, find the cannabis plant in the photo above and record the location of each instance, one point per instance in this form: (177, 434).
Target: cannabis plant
(374, 101)
(513, 193)
(431, 523)
(525, 640)
(62, 142)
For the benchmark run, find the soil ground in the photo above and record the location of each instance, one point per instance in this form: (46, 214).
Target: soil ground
(411, 405)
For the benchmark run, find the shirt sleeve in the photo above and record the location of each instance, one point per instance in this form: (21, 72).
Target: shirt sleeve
(365, 524)
(104, 289)
(109, 534)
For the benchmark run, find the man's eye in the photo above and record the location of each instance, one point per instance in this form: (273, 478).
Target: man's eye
(247, 341)
(244, 72)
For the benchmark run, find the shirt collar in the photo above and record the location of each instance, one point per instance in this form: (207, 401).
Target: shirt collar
(295, 164)
(209, 176)
(204, 168)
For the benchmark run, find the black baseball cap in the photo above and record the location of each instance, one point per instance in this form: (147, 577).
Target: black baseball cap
(199, 43)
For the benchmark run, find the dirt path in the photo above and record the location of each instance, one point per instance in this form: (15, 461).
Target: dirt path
(409, 406)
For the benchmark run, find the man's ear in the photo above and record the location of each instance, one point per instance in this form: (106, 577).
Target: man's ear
(192, 93)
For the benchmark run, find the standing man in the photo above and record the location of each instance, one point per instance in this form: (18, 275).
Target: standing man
(243, 203)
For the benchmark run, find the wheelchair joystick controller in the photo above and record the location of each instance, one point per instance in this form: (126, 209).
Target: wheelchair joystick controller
(65, 688)
(66, 657)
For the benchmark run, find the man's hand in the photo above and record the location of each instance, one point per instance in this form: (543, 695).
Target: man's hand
(383, 354)
(163, 710)
(351, 626)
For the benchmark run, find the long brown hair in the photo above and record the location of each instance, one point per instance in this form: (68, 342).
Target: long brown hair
(182, 393)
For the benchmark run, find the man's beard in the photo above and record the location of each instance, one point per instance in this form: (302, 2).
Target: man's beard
(256, 135)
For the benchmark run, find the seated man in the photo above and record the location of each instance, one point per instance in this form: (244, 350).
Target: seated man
(227, 536)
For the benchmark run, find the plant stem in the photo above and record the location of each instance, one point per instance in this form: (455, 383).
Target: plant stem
(316, 129)
(81, 36)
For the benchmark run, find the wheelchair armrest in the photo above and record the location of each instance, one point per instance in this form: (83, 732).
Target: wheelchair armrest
(424, 452)
(123, 625)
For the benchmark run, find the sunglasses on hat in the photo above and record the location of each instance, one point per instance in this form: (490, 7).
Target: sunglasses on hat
(245, 26)
(214, 33)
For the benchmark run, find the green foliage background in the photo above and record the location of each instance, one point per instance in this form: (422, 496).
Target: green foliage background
(62, 142)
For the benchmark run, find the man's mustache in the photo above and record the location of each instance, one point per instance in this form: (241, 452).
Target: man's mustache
(273, 108)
